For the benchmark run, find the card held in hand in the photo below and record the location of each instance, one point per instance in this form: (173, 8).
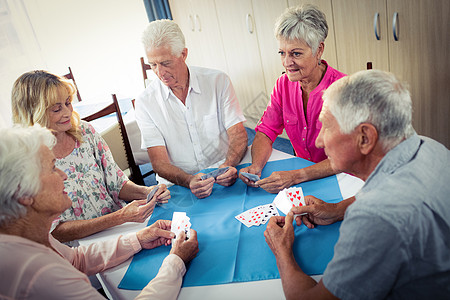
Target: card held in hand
(152, 193)
(180, 222)
(250, 176)
(214, 173)
(288, 198)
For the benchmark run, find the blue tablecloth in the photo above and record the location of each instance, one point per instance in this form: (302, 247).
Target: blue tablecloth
(229, 251)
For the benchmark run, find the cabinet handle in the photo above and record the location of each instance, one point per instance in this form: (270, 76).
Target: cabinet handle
(376, 24)
(395, 26)
(197, 23)
(191, 21)
(249, 21)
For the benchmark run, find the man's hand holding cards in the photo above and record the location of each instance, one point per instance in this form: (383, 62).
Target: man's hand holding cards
(289, 198)
(225, 176)
(215, 173)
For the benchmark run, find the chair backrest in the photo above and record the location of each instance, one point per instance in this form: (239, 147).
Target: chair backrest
(145, 67)
(71, 77)
(120, 148)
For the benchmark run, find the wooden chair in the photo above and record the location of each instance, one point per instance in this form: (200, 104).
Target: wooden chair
(120, 148)
(145, 67)
(70, 76)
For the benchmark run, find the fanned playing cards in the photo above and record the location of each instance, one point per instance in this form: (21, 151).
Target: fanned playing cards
(180, 222)
(257, 215)
(288, 198)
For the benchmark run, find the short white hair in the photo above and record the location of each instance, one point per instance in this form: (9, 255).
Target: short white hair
(164, 33)
(20, 167)
(375, 97)
(304, 23)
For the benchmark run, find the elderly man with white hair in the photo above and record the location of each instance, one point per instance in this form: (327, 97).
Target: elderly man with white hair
(35, 265)
(395, 237)
(189, 117)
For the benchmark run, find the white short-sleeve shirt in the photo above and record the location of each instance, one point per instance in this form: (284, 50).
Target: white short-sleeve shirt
(194, 134)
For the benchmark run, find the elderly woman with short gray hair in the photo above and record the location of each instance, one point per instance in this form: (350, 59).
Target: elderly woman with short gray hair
(35, 265)
(296, 100)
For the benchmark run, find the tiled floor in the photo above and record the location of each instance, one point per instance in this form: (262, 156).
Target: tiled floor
(281, 144)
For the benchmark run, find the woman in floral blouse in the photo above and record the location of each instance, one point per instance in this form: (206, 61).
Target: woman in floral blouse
(99, 190)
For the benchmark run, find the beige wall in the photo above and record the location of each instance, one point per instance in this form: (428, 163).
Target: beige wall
(99, 40)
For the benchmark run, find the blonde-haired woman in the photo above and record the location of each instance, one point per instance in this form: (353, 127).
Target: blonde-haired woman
(97, 187)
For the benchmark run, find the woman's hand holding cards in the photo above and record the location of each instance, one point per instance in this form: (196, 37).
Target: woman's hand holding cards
(160, 193)
(245, 175)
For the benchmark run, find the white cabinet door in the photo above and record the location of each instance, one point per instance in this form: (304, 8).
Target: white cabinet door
(198, 21)
(266, 13)
(240, 42)
(421, 57)
(356, 37)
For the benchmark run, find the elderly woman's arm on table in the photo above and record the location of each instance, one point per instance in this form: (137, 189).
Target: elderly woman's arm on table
(100, 256)
(261, 150)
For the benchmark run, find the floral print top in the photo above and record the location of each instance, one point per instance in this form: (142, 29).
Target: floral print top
(93, 178)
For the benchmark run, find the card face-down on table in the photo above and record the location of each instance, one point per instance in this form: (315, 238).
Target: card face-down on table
(257, 215)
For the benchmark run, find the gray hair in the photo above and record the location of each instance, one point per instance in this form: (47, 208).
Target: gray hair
(164, 33)
(20, 167)
(375, 97)
(305, 23)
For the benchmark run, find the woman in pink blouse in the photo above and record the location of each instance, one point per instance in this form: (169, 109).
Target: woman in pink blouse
(101, 194)
(296, 100)
(34, 265)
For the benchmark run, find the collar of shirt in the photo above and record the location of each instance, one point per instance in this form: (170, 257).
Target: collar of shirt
(398, 156)
(193, 86)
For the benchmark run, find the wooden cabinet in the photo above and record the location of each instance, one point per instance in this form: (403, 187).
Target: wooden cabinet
(198, 21)
(329, 53)
(241, 36)
(265, 16)
(356, 39)
(417, 55)
(237, 36)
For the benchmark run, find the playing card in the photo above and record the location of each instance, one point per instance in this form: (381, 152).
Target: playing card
(250, 176)
(180, 222)
(257, 215)
(152, 193)
(251, 217)
(270, 210)
(295, 196)
(214, 173)
(288, 198)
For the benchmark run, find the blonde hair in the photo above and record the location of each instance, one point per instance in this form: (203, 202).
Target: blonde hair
(34, 93)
